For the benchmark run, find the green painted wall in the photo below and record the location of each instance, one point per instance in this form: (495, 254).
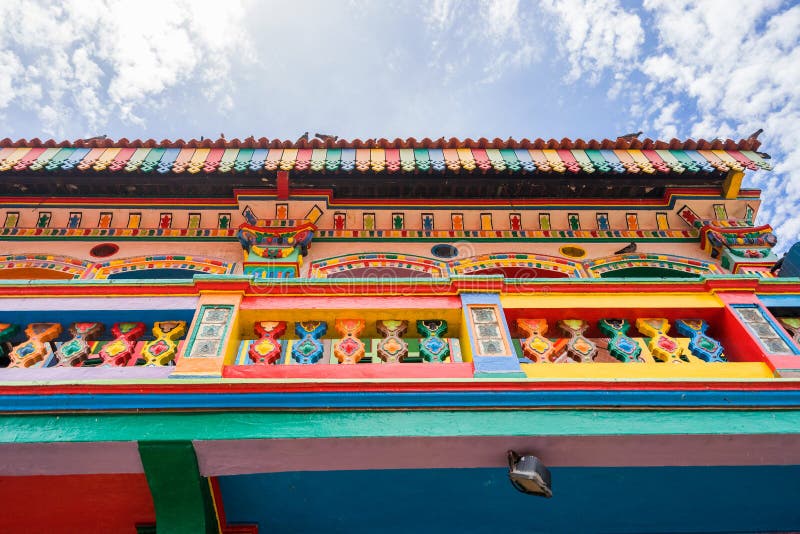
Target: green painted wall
(181, 496)
(242, 425)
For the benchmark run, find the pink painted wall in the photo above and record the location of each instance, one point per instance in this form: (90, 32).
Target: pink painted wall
(322, 250)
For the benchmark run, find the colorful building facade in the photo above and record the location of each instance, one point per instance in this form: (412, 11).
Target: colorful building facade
(266, 336)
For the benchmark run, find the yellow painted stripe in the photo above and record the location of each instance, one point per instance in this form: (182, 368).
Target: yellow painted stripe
(109, 154)
(637, 300)
(377, 155)
(289, 155)
(648, 370)
(248, 317)
(552, 156)
(638, 157)
(200, 155)
(465, 155)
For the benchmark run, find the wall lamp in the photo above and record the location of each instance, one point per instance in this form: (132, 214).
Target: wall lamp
(529, 475)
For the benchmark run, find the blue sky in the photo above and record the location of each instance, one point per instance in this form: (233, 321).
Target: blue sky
(573, 68)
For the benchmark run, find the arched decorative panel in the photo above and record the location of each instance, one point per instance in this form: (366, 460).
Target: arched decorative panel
(122, 267)
(43, 266)
(377, 264)
(640, 263)
(518, 265)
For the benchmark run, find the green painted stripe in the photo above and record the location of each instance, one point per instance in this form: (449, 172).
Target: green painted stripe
(422, 154)
(509, 155)
(596, 157)
(181, 496)
(333, 155)
(63, 154)
(682, 157)
(254, 425)
(245, 155)
(155, 155)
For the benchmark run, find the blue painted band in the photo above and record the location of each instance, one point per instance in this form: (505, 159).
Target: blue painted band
(779, 301)
(497, 364)
(612, 499)
(538, 399)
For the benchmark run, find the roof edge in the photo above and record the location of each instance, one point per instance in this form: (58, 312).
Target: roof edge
(397, 143)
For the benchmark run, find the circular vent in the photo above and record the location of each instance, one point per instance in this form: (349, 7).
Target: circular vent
(444, 251)
(572, 251)
(104, 250)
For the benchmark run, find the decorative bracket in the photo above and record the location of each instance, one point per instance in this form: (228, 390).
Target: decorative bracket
(579, 347)
(7, 332)
(663, 347)
(392, 348)
(349, 350)
(309, 348)
(34, 349)
(267, 349)
(701, 345)
(162, 350)
(620, 346)
(432, 347)
(75, 351)
(119, 351)
(536, 347)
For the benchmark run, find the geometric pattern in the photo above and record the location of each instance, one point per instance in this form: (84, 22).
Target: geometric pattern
(663, 261)
(77, 268)
(515, 259)
(328, 266)
(389, 159)
(199, 264)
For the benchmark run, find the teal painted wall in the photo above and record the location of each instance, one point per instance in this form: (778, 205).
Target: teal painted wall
(635, 500)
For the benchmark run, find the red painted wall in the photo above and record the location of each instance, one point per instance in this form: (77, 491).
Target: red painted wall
(85, 504)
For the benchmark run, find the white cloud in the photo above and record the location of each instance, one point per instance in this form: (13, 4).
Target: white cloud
(86, 61)
(440, 16)
(740, 65)
(596, 35)
(502, 19)
(730, 67)
(498, 35)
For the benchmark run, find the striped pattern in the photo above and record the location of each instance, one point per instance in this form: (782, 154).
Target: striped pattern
(237, 160)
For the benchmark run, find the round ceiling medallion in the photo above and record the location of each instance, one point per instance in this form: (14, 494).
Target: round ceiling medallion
(444, 251)
(104, 250)
(572, 251)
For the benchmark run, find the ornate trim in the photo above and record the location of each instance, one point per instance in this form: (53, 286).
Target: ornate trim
(77, 268)
(199, 264)
(663, 261)
(513, 259)
(325, 267)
